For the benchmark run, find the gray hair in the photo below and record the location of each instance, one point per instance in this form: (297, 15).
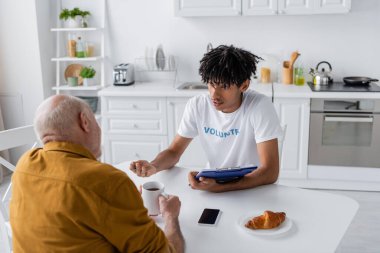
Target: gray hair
(58, 115)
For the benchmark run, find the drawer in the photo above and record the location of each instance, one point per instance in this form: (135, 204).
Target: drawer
(128, 148)
(136, 125)
(135, 106)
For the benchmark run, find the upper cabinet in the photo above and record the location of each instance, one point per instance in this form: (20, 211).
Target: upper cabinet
(274, 7)
(192, 8)
(332, 6)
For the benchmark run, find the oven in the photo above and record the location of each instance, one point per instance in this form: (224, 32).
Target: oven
(345, 132)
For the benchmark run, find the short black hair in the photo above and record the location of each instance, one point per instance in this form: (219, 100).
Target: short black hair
(228, 65)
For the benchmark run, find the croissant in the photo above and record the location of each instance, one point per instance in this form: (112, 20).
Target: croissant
(266, 221)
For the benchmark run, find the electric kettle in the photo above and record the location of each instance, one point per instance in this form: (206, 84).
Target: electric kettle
(322, 77)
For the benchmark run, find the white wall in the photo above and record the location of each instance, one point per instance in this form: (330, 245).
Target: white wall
(20, 67)
(350, 42)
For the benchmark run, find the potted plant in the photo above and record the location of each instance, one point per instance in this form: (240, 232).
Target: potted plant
(73, 18)
(87, 73)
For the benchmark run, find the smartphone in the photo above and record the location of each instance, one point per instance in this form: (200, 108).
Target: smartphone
(209, 217)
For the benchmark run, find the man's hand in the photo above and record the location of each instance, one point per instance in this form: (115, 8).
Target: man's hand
(142, 168)
(170, 207)
(205, 184)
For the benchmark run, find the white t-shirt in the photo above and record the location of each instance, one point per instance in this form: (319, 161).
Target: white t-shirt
(229, 139)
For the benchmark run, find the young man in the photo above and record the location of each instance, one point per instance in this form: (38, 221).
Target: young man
(236, 126)
(64, 200)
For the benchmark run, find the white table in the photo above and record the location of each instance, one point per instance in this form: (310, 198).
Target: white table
(319, 219)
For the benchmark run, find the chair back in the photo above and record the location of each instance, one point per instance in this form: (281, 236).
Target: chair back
(13, 138)
(9, 139)
(5, 239)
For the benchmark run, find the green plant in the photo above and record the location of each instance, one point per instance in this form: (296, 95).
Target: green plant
(85, 13)
(66, 13)
(87, 72)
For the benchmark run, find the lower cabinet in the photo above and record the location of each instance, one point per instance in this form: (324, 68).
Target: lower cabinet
(294, 114)
(121, 148)
(194, 157)
(134, 127)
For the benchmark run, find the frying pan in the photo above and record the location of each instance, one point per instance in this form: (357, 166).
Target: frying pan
(358, 80)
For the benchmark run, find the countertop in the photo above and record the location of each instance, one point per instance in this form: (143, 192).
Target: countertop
(153, 89)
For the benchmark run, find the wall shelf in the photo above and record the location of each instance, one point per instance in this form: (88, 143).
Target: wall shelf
(76, 59)
(77, 88)
(76, 29)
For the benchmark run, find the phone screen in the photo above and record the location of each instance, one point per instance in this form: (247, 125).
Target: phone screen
(209, 216)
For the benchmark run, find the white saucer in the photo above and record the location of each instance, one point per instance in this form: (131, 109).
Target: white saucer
(282, 229)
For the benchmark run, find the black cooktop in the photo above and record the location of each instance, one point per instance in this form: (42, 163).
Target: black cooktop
(342, 87)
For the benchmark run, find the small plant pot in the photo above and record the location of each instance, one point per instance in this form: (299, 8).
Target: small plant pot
(88, 81)
(72, 81)
(73, 22)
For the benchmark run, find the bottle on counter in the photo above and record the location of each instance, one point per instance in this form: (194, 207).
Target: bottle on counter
(299, 75)
(80, 49)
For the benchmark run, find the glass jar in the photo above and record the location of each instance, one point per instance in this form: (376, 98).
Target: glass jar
(71, 45)
(89, 49)
(299, 76)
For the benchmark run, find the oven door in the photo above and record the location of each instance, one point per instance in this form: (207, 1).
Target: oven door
(342, 139)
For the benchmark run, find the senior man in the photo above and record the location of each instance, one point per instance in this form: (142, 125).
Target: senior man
(64, 200)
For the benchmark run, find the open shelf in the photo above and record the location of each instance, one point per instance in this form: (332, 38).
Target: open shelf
(77, 58)
(76, 29)
(77, 88)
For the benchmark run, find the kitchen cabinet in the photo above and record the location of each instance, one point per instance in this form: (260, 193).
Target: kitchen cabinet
(332, 6)
(274, 7)
(191, 8)
(193, 157)
(133, 127)
(295, 114)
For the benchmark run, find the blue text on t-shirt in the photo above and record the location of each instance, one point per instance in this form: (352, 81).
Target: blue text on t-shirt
(221, 134)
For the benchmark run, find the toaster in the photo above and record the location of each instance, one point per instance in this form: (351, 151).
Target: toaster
(123, 74)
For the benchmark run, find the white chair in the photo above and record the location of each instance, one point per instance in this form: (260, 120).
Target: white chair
(9, 139)
(5, 239)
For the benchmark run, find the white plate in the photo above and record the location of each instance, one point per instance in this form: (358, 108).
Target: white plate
(282, 229)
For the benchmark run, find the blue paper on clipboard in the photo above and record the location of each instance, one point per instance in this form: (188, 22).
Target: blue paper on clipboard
(225, 173)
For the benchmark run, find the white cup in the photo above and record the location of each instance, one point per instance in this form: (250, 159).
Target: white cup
(151, 191)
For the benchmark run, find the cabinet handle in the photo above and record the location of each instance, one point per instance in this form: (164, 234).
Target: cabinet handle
(134, 106)
(281, 12)
(135, 126)
(275, 12)
(137, 155)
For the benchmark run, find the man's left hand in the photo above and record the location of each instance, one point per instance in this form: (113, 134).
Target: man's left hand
(205, 184)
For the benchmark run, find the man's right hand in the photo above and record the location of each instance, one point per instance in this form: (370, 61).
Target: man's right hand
(142, 168)
(170, 206)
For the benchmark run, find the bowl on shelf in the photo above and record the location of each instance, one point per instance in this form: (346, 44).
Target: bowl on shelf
(73, 70)
(92, 102)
